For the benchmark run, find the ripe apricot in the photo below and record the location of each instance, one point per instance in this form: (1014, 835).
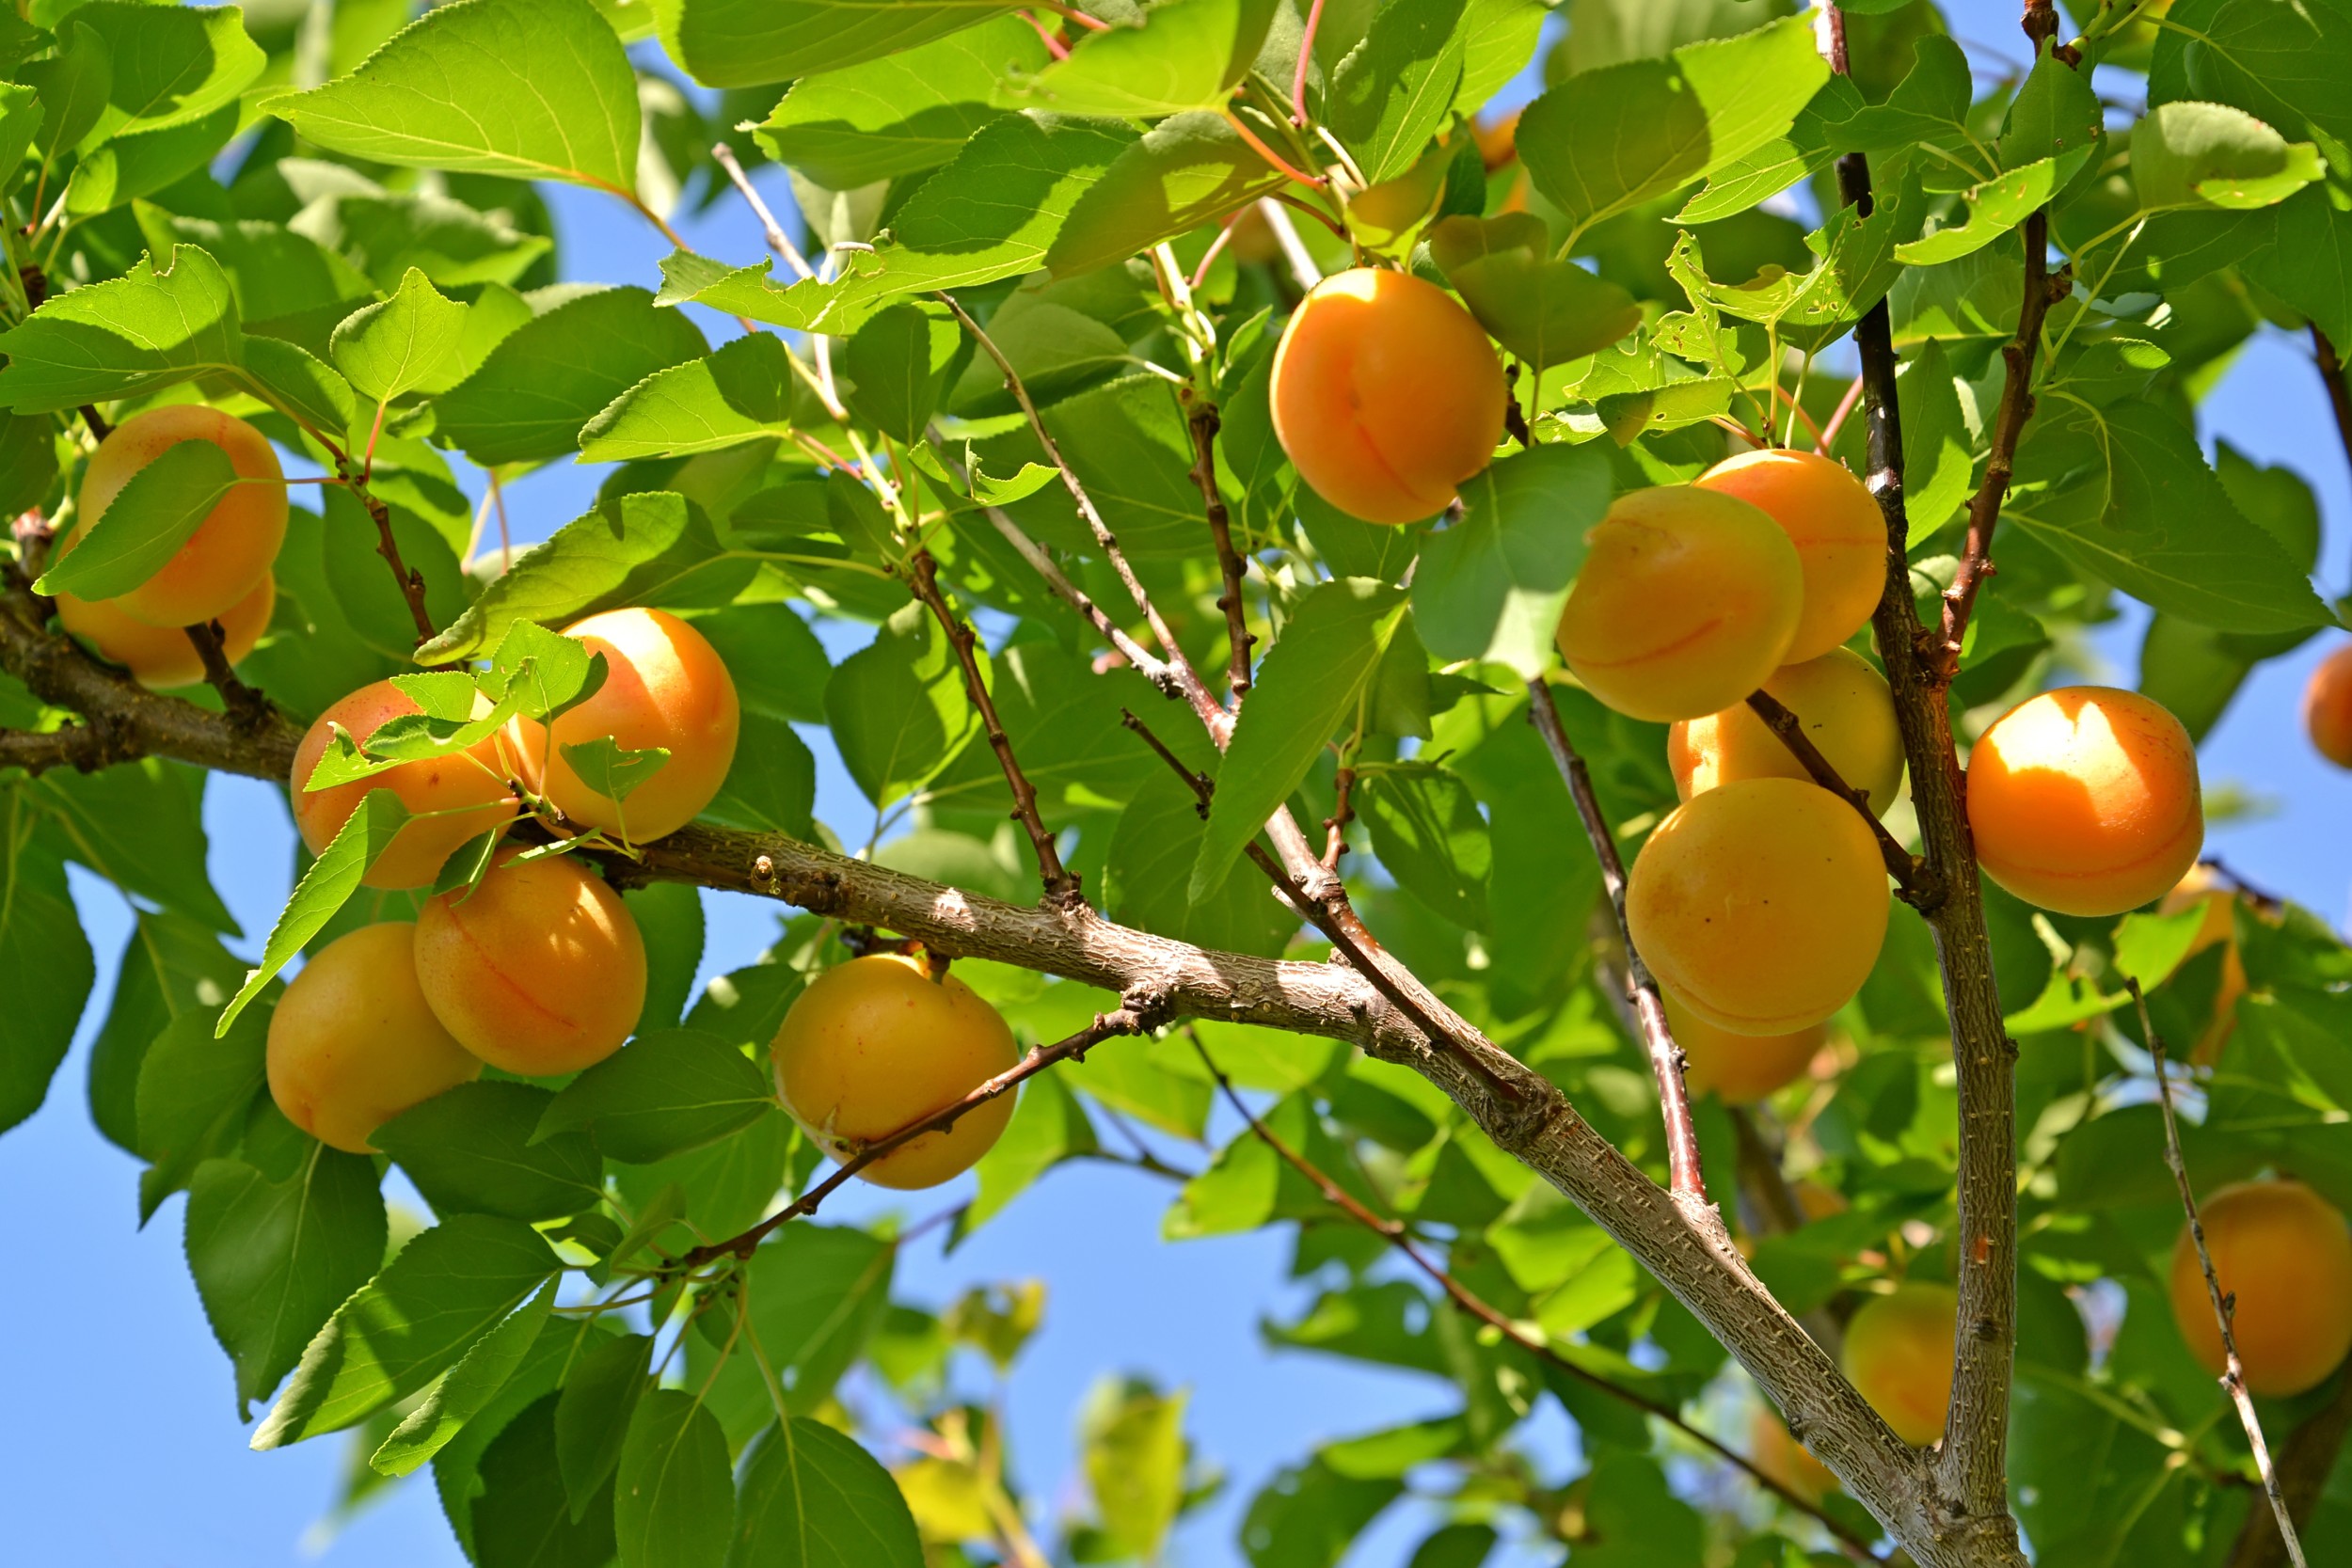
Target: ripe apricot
(1899, 1354)
(1387, 395)
(1761, 905)
(1839, 533)
(1685, 604)
(881, 1042)
(161, 658)
(352, 1043)
(665, 685)
(2328, 707)
(1845, 709)
(539, 970)
(2085, 801)
(467, 794)
(1741, 1069)
(238, 539)
(2204, 888)
(2284, 1251)
(1773, 1450)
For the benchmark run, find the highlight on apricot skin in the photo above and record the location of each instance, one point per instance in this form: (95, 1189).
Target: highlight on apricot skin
(2204, 888)
(1740, 1070)
(1898, 1356)
(2285, 1253)
(1685, 604)
(162, 658)
(665, 685)
(2085, 801)
(1387, 395)
(878, 1043)
(1839, 533)
(238, 539)
(2328, 707)
(1761, 905)
(1845, 709)
(469, 795)
(539, 970)
(351, 1043)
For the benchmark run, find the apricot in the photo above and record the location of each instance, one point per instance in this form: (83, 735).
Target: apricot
(2328, 706)
(1818, 1202)
(161, 658)
(1838, 530)
(2283, 1250)
(1685, 604)
(1773, 1450)
(2085, 801)
(238, 539)
(353, 1044)
(1898, 1356)
(538, 970)
(1739, 1069)
(665, 685)
(1761, 905)
(1845, 709)
(1387, 395)
(467, 794)
(882, 1042)
(2202, 887)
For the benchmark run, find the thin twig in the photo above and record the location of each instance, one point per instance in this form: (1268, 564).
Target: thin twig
(2224, 1307)
(1306, 60)
(97, 422)
(411, 581)
(778, 241)
(1342, 812)
(2338, 393)
(2306, 1460)
(1837, 416)
(244, 705)
(1301, 260)
(1202, 422)
(1909, 871)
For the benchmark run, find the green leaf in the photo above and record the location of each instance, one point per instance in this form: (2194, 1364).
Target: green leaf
(1048, 1125)
(1545, 312)
(472, 1149)
(2212, 155)
(1308, 1516)
(666, 1092)
(898, 707)
(171, 966)
(1492, 586)
(521, 1518)
(443, 1291)
(1427, 831)
(779, 666)
(816, 1293)
(2055, 112)
(1391, 93)
(408, 343)
(145, 161)
(898, 363)
(171, 66)
(1132, 1440)
(145, 525)
(746, 43)
(194, 1093)
(537, 390)
(45, 966)
(1939, 463)
(301, 386)
(900, 115)
(1150, 860)
(674, 1500)
(465, 1389)
(1309, 685)
(271, 1261)
(812, 1497)
(544, 675)
(772, 786)
(1995, 208)
(331, 881)
(1187, 55)
(668, 916)
(612, 771)
(593, 1417)
(132, 334)
(139, 825)
(741, 393)
(73, 85)
(531, 89)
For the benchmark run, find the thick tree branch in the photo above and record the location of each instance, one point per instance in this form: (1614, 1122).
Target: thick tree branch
(1202, 422)
(2305, 1462)
(85, 747)
(1909, 871)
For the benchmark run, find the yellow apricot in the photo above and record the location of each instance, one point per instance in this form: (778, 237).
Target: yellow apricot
(540, 970)
(2328, 707)
(1838, 530)
(2085, 801)
(1685, 604)
(1898, 1356)
(1761, 905)
(665, 685)
(1845, 709)
(2203, 886)
(2283, 1250)
(881, 1042)
(1773, 1450)
(1739, 1069)
(238, 539)
(161, 658)
(1818, 1202)
(1387, 395)
(471, 789)
(353, 1044)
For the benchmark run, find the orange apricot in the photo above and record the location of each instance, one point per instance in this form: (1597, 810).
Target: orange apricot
(1739, 1069)
(1761, 905)
(238, 539)
(1773, 1450)
(351, 1043)
(665, 685)
(1685, 604)
(1387, 395)
(2085, 801)
(2285, 1251)
(881, 1042)
(539, 970)
(2203, 887)
(1818, 1202)
(1898, 1356)
(1838, 530)
(161, 658)
(467, 794)
(2328, 707)
(1845, 709)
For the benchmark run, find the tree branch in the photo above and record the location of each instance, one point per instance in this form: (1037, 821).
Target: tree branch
(244, 704)
(1907, 869)
(2305, 1464)
(1342, 812)
(1202, 422)
(411, 581)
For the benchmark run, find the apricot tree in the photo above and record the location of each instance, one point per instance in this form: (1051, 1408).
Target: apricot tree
(1283, 466)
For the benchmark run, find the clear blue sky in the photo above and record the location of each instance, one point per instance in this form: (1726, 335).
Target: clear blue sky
(125, 1452)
